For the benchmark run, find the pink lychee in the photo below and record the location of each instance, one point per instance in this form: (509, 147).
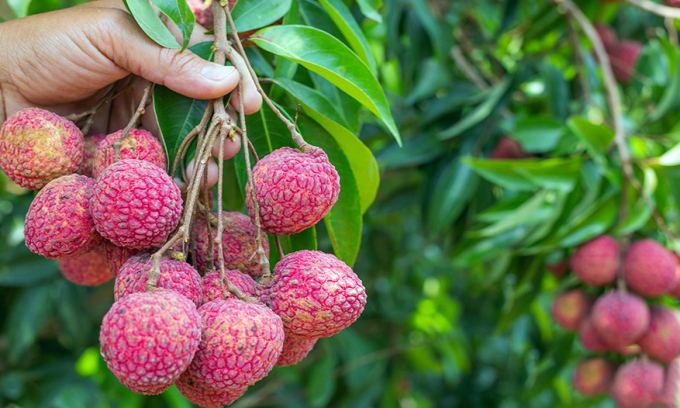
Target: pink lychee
(198, 393)
(139, 144)
(115, 256)
(597, 262)
(593, 376)
(239, 245)
(149, 338)
(570, 309)
(316, 294)
(174, 275)
(649, 268)
(589, 338)
(638, 384)
(607, 36)
(662, 340)
(92, 141)
(88, 269)
(508, 148)
(58, 223)
(135, 204)
(620, 318)
(623, 57)
(294, 189)
(294, 351)
(669, 394)
(240, 344)
(212, 289)
(37, 146)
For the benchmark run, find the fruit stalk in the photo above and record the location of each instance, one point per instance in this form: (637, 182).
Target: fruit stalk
(658, 9)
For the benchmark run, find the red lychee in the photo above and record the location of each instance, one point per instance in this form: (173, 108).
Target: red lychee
(623, 57)
(115, 256)
(212, 289)
(199, 394)
(597, 262)
(239, 245)
(676, 290)
(240, 344)
(607, 35)
(589, 338)
(58, 223)
(570, 309)
(37, 146)
(508, 148)
(638, 384)
(669, 394)
(135, 204)
(294, 351)
(88, 269)
(149, 338)
(92, 141)
(649, 268)
(662, 340)
(620, 318)
(593, 376)
(294, 189)
(174, 275)
(316, 294)
(138, 144)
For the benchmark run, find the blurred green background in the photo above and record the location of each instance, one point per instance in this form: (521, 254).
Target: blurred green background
(453, 250)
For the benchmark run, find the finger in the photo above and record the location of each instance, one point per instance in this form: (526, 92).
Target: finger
(231, 147)
(252, 100)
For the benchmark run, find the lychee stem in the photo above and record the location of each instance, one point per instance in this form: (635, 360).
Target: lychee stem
(658, 9)
(133, 120)
(248, 70)
(278, 246)
(206, 214)
(190, 138)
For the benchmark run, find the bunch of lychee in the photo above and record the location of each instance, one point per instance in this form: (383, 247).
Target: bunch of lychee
(103, 213)
(619, 315)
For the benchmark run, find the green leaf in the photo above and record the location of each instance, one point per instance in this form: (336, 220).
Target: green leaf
(596, 138)
(19, 7)
(177, 114)
(344, 19)
(179, 12)
(519, 216)
(434, 76)
(321, 381)
(233, 196)
(149, 21)
(252, 14)
(26, 317)
(28, 271)
(292, 243)
(538, 134)
(528, 175)
(369, 8)
(362, 162)
(321, 53)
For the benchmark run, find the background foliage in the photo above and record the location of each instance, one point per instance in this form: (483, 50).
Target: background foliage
(452, 250)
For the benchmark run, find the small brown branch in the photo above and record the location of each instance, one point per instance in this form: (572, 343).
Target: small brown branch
(658, 9)
(190, 137)
(279, 247)
(206, 214)
(253, 151)
(133, 120)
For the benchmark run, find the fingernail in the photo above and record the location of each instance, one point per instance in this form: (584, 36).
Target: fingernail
(216, 72)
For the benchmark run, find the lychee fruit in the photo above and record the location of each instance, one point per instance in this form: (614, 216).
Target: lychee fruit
(593, 376)
(212, 289)
(58, 223)
(673, 3)
(669, 394)
(149, 338)
(88, 269)
(198, 393)
(662, 340)
(623, 57)
(620, 318)
(139, 144)
(597, 262)
(92, 141)
(294, 189)
(638, 384)
(294, 351)
(316, 294)
(649, 268)
(115, 256)
(676, 290)
(135, 204)
(589, 338)
(570, 309)
(37, 146)
(607, 36)
(203, 12)
(174, 275)
(240, 344)
(239, 244)
(508, 148)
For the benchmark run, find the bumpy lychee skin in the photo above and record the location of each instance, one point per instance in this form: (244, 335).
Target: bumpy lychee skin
(662, 340)
(197, 392)
(37, 146)
(649, 268)
(92, 141)
(116, 256)
(138, 144)
(88, 269)
(593, 376)
(239, 345)
(174, 275)
(316, 294)
(638, 383)
(212, 290)
(597, 262)
(294, 189)
(294, 351)
(135, 204)
(571, 308)
(149, 338)
(58, 223)
(589, 338)
(620, 318)
(239, 244)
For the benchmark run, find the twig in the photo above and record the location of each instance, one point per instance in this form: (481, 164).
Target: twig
(658, 9)
(279, 247)
(190, 137)
(133, 120)
(467, 69)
